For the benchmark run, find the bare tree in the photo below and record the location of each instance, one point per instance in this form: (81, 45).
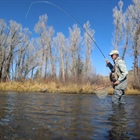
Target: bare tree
(46, 48)
(51, 51)
(41, 29)
(4, 33)
(136, 48)
(118, 20)
(75, 44)
(67, 57)
(127, 29)
(134, 19)
(14, 39)
(21, 54)
(60, 43)
(88, 49)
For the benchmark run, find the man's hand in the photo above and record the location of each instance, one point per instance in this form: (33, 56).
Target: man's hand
(107, 61)
(116, 83)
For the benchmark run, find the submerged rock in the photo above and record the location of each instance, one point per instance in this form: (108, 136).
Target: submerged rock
(44, 90)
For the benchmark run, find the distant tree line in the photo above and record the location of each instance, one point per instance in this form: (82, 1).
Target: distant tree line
(46, 56)
(127, 33)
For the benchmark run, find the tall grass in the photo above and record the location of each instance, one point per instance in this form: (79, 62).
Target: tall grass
(55, 87)
(51, 87)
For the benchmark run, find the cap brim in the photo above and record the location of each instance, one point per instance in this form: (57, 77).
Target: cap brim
(110, 54)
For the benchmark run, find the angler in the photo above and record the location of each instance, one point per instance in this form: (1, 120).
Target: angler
(118, 77)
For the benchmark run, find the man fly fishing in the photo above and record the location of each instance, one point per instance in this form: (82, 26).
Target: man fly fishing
(118, 77)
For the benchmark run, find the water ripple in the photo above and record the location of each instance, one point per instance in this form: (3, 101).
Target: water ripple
(41, 116)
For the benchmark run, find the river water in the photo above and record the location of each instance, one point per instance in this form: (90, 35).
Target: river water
(43, 116)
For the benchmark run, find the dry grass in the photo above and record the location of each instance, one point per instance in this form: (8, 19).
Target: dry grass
(21, 86)
(53, 87)
(129, 91)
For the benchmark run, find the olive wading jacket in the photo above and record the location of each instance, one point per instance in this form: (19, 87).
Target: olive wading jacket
(119, 71)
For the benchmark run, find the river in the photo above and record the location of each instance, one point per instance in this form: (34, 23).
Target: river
(44, 116)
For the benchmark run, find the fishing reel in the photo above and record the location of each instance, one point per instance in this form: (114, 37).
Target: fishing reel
(113, 77)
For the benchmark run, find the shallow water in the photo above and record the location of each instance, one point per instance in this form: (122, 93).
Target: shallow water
(41, 116)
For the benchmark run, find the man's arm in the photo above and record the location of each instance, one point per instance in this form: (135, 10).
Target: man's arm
(110, 66)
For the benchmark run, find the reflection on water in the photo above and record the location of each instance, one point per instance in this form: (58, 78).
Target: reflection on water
(41, 116)
(119, 123)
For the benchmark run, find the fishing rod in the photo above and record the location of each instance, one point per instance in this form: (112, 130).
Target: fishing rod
(58, 7)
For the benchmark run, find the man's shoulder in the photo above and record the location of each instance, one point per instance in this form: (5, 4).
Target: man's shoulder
(120, 61)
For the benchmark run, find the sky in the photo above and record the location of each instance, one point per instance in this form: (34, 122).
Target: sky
(98, 12)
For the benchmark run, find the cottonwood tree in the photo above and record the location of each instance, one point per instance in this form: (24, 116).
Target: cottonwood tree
(16, 55)
(46, 48)
(4, 33)
(136, 51)
(88, 49)
(41, 30)
(28, 56)
(51, 51)
(75, 46)
(60, 42)
(79, 66)
(134, 19)
(67, 57)
(30, 61)
(14, 39)
(127, 29)
(118, 20)
(20, 57)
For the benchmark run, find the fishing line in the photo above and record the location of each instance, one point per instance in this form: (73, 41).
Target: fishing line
(58, 7)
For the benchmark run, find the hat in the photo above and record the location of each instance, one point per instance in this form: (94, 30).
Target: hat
(114, 52)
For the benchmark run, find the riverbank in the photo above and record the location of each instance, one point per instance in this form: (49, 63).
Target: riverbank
(53, 87)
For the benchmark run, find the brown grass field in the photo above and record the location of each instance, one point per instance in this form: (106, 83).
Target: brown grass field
(52, 87)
